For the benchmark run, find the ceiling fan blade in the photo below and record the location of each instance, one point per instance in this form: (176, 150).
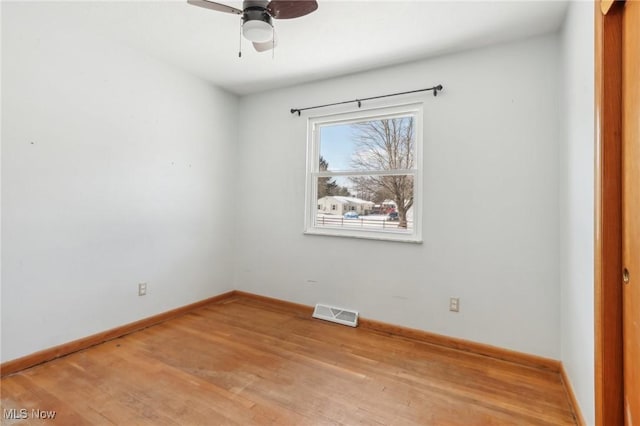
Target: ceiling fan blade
(215, 6)
(289, 9)
(267, 45)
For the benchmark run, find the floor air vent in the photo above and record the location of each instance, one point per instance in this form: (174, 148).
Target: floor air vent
(339, 315)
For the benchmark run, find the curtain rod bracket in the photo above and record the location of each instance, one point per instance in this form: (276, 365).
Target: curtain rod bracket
(435, 90)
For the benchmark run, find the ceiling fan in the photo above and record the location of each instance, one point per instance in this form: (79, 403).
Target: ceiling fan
(257, 16)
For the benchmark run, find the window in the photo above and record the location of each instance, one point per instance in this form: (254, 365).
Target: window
(369, 161)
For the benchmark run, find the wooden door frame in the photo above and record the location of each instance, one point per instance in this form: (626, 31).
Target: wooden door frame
(609, 379)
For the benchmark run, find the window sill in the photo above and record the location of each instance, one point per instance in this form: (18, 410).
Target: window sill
(362, 235)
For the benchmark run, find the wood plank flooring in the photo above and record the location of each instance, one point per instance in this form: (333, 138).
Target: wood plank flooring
(247, 362)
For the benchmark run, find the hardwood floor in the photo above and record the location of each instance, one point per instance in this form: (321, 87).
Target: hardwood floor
(245, 362)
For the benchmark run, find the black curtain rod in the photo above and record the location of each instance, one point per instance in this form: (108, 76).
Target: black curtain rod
(435, 90)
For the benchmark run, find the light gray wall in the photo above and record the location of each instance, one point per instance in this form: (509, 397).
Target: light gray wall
(116, 169)
(576, 205)
(491, 142)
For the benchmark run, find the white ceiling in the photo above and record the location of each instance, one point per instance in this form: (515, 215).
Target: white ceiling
(341, 37)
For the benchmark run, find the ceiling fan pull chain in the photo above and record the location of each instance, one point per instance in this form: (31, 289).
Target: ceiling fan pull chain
(273, 43)
(240, 41)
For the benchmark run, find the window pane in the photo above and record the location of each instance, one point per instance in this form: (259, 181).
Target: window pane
(365, 202)
(385, 144)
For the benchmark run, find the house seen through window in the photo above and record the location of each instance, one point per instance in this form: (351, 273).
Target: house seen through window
(364, 174)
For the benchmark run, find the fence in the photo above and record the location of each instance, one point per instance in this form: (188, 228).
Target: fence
(368, 222)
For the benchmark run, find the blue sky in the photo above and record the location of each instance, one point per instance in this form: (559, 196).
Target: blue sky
(336, 146)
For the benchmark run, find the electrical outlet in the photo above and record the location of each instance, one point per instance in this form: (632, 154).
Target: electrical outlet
(142, 289)
(454, 304)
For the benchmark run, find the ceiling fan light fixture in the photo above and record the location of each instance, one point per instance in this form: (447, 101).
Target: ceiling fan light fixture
(257, 31)
(257, 16)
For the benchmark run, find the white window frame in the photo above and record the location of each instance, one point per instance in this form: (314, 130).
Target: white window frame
(314, 123)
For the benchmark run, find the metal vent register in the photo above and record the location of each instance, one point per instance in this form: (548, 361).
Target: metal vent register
(335, 314)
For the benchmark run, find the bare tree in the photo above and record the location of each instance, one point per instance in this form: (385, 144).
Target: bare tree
(386, 144)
